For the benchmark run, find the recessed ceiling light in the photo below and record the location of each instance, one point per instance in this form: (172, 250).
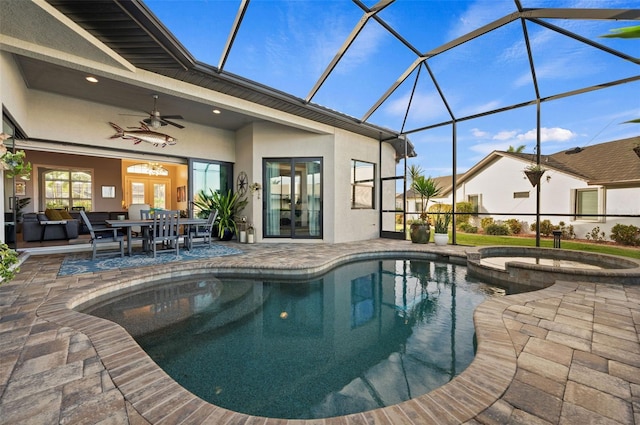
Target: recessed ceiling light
(91, 79)
(216, 111)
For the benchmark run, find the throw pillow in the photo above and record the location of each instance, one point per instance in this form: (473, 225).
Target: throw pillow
(65, 215)
(53, 215)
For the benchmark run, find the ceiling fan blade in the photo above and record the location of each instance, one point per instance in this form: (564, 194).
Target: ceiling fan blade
(171, 117)
(172, 123)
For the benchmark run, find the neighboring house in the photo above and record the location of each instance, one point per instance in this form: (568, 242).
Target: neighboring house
(579, 185)
(318, 170)
(414, 202)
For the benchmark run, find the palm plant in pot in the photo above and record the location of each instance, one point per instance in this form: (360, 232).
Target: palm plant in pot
(441, 221)
(426, 187)
(228, 205)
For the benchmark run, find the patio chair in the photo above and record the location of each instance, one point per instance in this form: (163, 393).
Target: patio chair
(165, 231)
(204, 232)
(102, 234)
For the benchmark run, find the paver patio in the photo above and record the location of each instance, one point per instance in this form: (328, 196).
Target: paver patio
(566, 354)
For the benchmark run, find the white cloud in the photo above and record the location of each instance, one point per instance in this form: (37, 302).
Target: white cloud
(505, 135)
(423, 106)
(476, 132)
(478, 14)
(501, 140)
(554, 134)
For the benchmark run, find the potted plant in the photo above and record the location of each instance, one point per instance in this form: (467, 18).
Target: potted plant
(14, 164)
(534, 172)
(441, 223)
(426, 187)
(228, 206)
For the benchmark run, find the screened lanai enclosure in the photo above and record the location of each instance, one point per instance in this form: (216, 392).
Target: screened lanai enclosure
(469, 92)
(535, 77)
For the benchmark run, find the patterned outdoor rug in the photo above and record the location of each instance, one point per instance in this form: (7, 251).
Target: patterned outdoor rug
(82, 262)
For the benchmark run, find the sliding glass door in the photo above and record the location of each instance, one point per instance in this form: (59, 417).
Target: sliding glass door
(208, 176)
(293, 198)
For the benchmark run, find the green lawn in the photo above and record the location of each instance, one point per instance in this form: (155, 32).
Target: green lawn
(483, 240)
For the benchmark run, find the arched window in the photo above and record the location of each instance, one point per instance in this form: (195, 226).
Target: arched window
(150, 169)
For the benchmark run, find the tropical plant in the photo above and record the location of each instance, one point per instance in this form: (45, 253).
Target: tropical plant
(519, 149)
(427, 188)
(8, 261)
(228, 207)
(204, 202)
(442, 218)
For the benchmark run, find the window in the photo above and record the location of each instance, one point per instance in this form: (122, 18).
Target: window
(517, 195)
(474, 200)
(293, 198)
(586, 203)
(67, 188)
(362, 185)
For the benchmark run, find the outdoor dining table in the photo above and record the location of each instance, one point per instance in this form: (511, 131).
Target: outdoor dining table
(146, 225)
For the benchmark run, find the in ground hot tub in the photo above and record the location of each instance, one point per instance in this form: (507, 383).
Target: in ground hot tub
(537, 268)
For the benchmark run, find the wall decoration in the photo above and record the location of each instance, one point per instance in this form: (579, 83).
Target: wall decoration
(182, 193)
(108, 191)
(21, 189)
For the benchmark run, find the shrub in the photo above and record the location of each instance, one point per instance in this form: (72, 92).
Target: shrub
(497, 229)
(626, 234)
(546, 228)
(567, 231)
(464, 210)
(595, 235)
(515, 226)
(468, 228)
(8, 260)
(486, 222)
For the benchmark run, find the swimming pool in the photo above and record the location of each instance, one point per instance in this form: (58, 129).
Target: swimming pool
(365, 335)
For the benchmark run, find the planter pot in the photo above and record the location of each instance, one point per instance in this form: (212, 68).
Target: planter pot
(419, 232)
(534, 176)
(441, 238)
(227, 235)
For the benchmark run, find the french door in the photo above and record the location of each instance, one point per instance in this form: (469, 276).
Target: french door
(292, 205)
(154, 191)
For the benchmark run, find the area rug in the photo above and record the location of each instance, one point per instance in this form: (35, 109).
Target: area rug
(82, 262)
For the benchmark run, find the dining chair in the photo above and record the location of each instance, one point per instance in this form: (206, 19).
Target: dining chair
(102, 234)
(165, 231)
(134, 213)
(204, 232)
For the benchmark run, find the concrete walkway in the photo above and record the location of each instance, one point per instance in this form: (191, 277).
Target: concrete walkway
(568, 354)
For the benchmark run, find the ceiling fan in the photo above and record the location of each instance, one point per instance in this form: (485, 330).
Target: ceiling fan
(156, 120)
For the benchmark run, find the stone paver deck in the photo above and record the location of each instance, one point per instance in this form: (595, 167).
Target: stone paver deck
(568, 354)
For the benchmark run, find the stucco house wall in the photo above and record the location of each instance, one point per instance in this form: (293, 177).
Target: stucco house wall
(66, 125)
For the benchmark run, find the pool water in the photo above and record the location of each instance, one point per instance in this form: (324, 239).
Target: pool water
(365, 335)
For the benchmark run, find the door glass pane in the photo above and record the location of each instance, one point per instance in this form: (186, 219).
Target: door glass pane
(307, 198)
(137, 193)
(159, 195)
(278, 198)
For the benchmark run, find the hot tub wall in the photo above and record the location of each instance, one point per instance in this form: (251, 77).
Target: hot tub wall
(518, 276)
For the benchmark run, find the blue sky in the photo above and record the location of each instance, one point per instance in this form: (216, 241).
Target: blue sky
(288, 44)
